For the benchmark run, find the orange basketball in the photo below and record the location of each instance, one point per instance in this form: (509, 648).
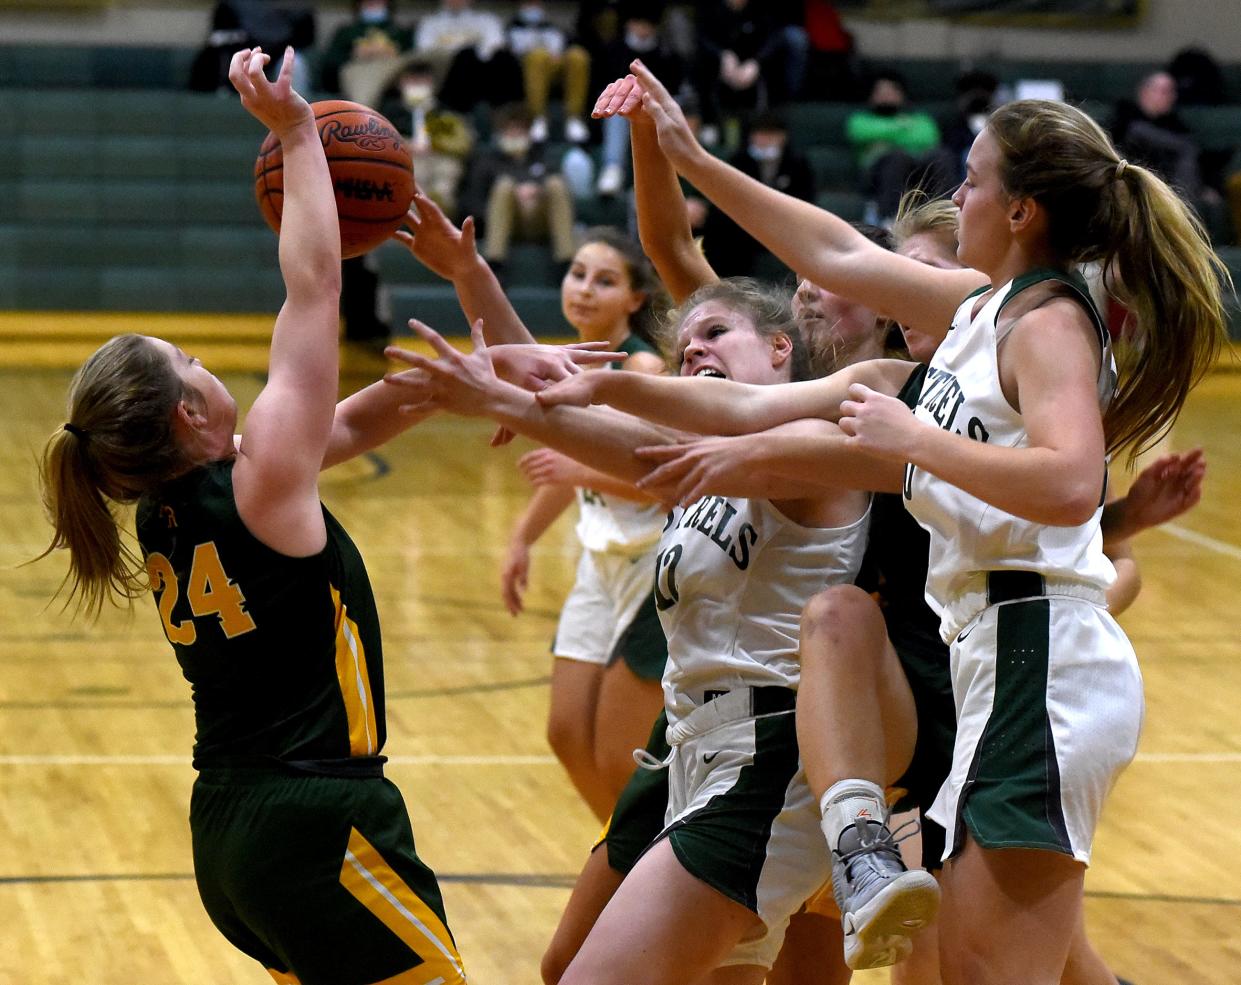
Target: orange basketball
(372, 174)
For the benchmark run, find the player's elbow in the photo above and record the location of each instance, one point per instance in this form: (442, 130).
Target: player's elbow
(1074, 504)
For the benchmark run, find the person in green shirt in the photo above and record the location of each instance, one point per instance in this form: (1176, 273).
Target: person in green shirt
(897, 147)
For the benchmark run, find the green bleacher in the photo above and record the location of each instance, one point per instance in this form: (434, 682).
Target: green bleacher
(120, 190)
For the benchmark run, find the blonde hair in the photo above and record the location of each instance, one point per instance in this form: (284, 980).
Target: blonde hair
(118, 444)
(918, 213)
(1156, 256)
(767, 306)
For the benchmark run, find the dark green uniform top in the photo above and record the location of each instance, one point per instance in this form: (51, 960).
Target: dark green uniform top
(896, 557)
(632, 345)
(282, 654)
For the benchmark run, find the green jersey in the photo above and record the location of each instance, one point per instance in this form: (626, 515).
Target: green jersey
(282, 654)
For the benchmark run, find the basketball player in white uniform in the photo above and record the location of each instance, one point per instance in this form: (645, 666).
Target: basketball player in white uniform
(742, 848)
(1044, 188)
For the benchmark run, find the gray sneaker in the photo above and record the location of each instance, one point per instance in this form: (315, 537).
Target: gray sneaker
(882, 903)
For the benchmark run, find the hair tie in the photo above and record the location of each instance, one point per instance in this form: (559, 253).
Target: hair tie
(76, 431)
(1120, 168)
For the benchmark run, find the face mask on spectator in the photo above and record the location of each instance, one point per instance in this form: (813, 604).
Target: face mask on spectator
(416, 94)
(640, 41)
(530, 13)
(764, 152)
(514, 144)
(373, 13)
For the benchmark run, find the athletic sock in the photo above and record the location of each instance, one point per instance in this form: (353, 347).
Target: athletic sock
(845, 802)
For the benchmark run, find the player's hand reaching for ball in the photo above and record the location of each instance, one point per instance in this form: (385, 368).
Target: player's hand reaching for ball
(459, 382)
(624, 97)
(277, 104)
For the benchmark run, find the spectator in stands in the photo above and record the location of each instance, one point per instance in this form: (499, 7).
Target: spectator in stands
(898, 148)
(831, 70)
(768, 157)
(363, 53)
(468, 47)
(639, 38)
(976, 98)
(237, 24)
(439, 139)
(511, 184)
(546, 56)
(748, 58)
(1199, 78)
(1148, 130)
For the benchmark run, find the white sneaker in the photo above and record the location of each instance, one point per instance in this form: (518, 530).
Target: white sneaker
(538, 130)
(611, 180)
(882, 904)
(576, 131)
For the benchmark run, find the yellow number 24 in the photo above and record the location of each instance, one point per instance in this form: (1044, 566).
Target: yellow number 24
(210, 592)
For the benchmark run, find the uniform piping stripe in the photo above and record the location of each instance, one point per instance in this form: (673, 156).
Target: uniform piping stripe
(374, 884)
(354, 683)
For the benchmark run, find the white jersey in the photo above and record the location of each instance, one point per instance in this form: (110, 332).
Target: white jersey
(612, 525)
(732, 578)
(962, 393)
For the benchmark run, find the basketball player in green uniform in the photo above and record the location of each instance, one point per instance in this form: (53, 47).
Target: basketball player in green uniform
(303, 852)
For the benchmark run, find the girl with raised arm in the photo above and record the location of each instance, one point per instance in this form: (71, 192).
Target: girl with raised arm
(741, 850)
(303, 852)
(1004, 465)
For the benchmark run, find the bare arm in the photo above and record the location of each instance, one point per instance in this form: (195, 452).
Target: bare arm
(288, 429)
(548, 467)
(451, 253)
(467, 384)
(544, 508)
(663, 223)
(799, 460)
(1123, 592)
(713, 406)
(1058, 478)
(813, 242)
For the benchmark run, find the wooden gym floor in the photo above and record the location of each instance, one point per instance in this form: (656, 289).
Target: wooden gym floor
(96, 723)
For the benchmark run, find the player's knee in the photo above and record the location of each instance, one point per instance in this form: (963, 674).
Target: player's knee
(838, 608)
(570, 742)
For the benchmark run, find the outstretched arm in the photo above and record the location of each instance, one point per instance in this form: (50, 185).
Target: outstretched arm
(813, 242)
(1057, 478)
(713, 406)
(798, 460)
(450, 252)
(548, 467)
(287, 430)
(467, 384)
(663, 221)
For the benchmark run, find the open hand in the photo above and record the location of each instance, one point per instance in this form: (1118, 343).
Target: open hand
(1168, 487)
(535, 366)
(439, 245)
(457, 382)
(277, 104)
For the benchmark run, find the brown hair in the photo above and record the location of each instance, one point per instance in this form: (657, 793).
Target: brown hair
(1156, 257)
(767, 306)
(645, 322)
(118, 444)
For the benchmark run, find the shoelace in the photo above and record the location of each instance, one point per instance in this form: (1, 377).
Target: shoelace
(881, 843)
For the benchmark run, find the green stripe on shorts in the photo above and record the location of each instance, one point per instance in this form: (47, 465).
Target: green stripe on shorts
(1012, 796)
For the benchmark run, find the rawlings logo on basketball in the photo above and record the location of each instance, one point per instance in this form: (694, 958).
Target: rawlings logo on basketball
(365, 190)
(373, 136)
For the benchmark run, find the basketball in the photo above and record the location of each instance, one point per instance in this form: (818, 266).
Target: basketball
(372, 174)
